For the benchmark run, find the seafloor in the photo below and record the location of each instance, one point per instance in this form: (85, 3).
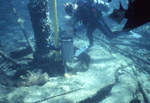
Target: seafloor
(118, 72)
(111, 71)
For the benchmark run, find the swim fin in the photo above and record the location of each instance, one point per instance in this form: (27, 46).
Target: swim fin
(81, 50)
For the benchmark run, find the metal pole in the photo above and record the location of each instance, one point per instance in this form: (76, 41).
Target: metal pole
(55, 25)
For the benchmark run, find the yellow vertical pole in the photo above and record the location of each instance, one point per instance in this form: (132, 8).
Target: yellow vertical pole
(55, 25)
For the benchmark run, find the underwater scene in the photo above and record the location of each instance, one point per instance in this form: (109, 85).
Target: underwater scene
(74, 51)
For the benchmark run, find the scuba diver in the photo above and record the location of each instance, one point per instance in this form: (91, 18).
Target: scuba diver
(90, 15)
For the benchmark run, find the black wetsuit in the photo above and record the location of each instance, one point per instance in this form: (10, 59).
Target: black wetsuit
(91, 16)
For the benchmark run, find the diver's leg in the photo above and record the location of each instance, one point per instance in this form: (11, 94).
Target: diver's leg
(90, 30)
(104, 27)
(107, 31)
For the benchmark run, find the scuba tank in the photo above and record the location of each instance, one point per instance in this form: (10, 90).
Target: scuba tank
(98, 4)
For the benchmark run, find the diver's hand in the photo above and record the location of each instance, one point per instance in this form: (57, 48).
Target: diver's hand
(69, 21)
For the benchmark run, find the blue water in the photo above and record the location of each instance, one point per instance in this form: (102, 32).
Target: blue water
(132, 49)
